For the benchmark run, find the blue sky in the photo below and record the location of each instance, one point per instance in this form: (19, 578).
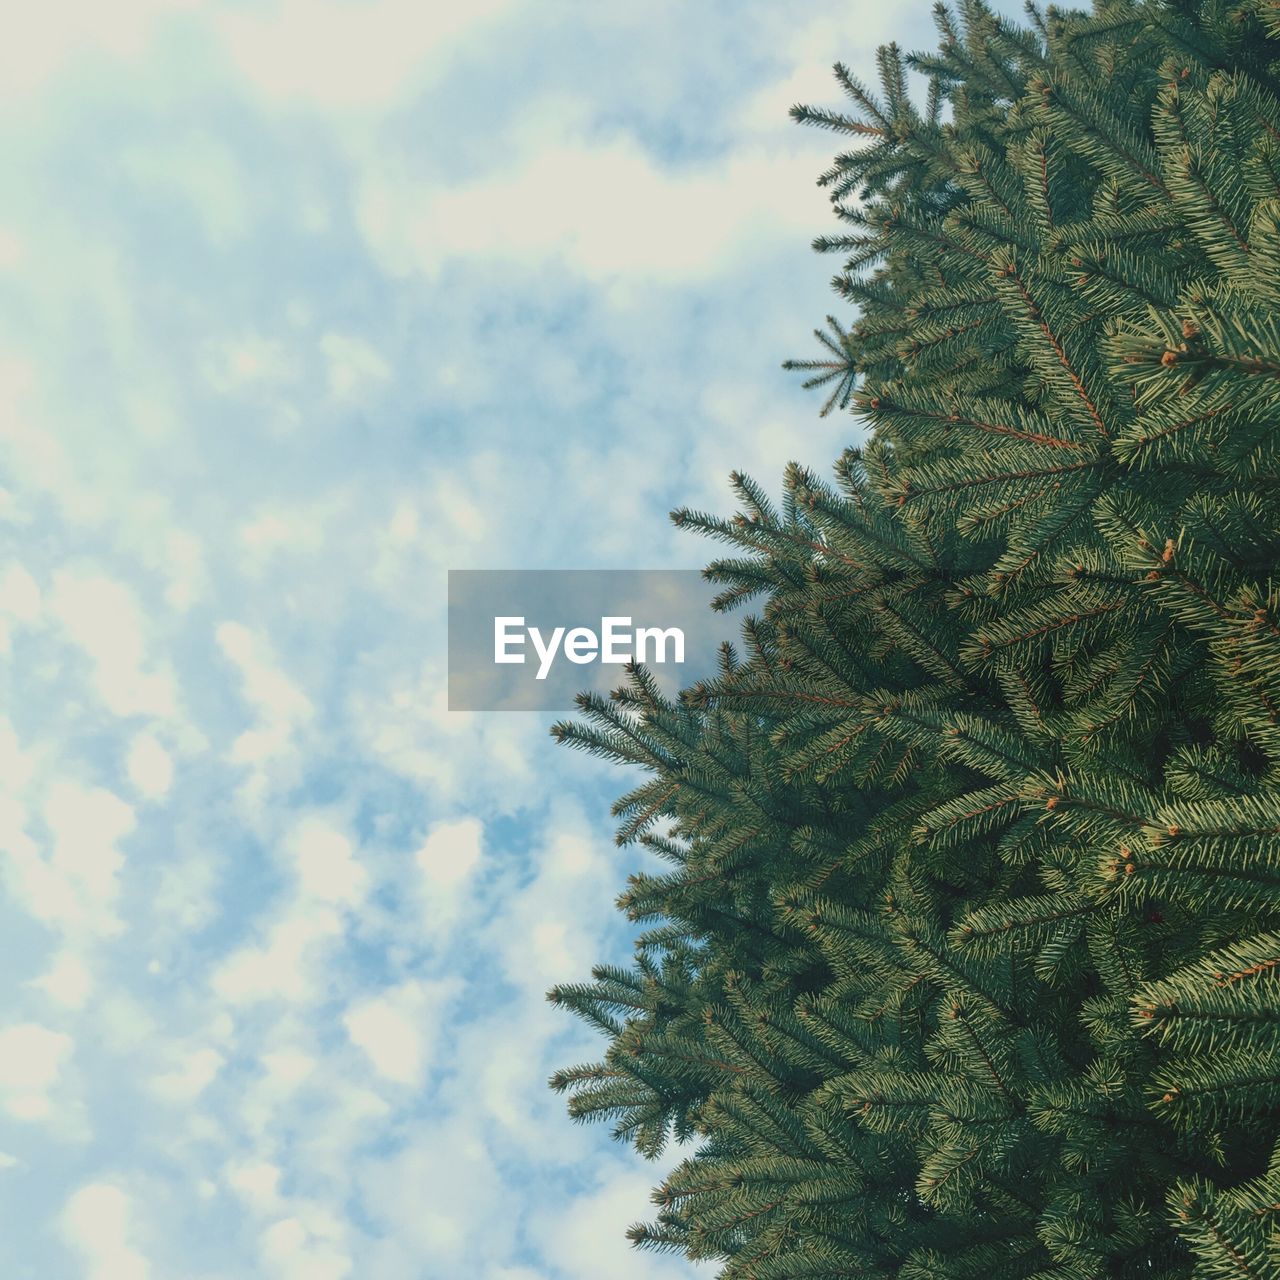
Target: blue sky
(302, 305)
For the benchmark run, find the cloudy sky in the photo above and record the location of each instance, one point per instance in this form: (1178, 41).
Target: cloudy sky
(304, 303)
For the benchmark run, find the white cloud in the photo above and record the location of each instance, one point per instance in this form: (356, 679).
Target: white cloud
(257, 1184)
(275, 529)
(13, 250)
(440, 1197)
(302, 531)
(265, 685)
(150, 766)
(468, 759)
(76, 885)
(31, 1062)
(446, 520)
(203, 173)
(311, 918)
(325, 863)
(97, 1223)
(124, 1025)
(68, 981)
(191, 1073)
(345, 57)
(396, 1029)
(103, 618)
(234, 364)
(48, 37)
(42, 459)
(354, 365)
(308, 1246)
(183, 896)
(287, 966)
(286, 1069)
(592, 1226)
(607, 209)
(19, 601)
(180, 556)
(537, 931)
(282, 709)
(17, 766)
(174, 425)
(447, 862)
(87, 823)
(807, 49)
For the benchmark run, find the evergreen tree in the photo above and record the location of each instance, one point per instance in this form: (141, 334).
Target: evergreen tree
(967, 963)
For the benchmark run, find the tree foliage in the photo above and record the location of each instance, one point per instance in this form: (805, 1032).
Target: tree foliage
(967, 960)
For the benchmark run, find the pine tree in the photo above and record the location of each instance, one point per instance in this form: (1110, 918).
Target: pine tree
(967, 963)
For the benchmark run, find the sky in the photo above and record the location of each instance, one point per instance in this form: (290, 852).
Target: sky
(302, 305)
